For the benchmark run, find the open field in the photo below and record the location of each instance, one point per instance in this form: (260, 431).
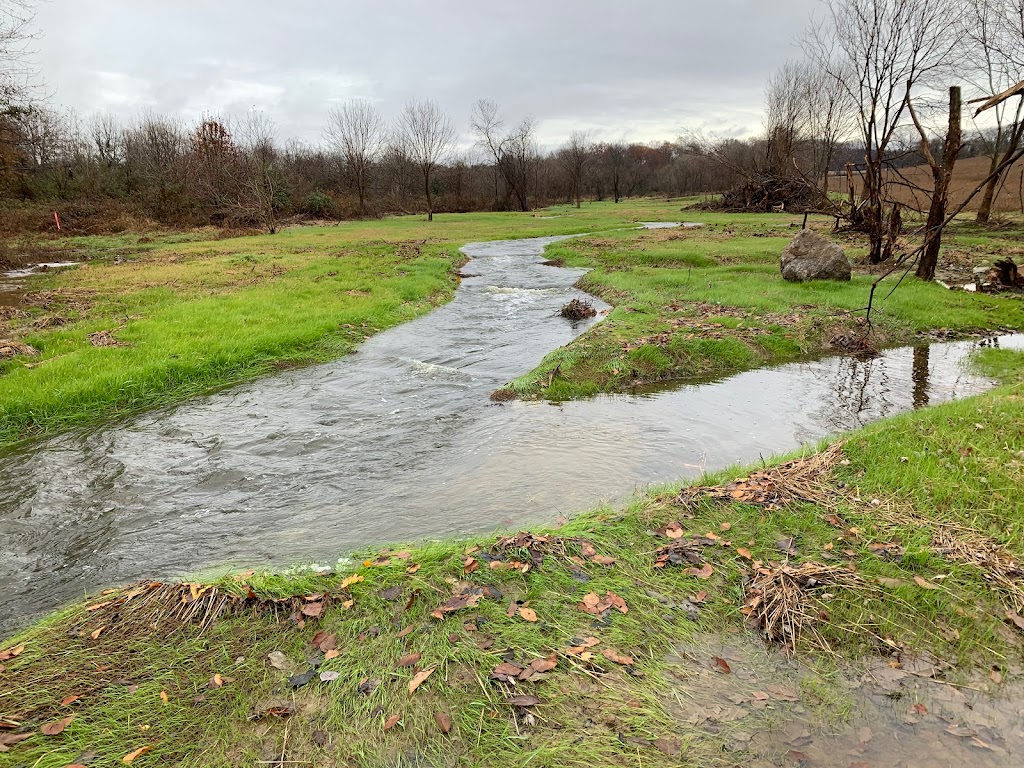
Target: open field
(417, 656)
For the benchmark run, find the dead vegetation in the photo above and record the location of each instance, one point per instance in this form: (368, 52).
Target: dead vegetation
(577, 310)
(11, 349)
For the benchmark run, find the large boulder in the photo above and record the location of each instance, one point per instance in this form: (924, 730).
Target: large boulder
(811, 256)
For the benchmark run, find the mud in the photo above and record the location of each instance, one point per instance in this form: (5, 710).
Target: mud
(756, 708)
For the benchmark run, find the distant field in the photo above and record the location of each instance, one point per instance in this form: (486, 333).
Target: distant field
(967, 175)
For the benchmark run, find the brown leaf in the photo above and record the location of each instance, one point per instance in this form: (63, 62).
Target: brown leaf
(919, 709)
(444, 721)
(413, 568)
(95, 634)
(1015, 617)
(538, 667)
(700, 597)
(506, 671)
(589, 642)
(524, 700)
(164, 697)
(391, 722)
(132, 756)
(52, 729)
(217, 681)
(471, 564)
(704, 572)
(333, 653)
(744, 553)
(674, 531)
(419, 677)
(405, 631)
(7, 739)
(725, 527)
(348, 581)
(312, 609)
(527, 614)
(325, 641)
(614, 657)
(69, 700)
(721, 664)
(669, 747)
(617, 602)
(409, 660)
(603, 560)
(924, 584)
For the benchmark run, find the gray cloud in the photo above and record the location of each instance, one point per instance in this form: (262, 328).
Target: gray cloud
(640, 70)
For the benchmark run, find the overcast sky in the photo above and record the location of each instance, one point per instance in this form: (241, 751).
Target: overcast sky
(639, 70)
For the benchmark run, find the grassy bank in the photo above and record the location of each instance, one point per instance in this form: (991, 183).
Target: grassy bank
(910, 525)
(152, 319)
(704, 302)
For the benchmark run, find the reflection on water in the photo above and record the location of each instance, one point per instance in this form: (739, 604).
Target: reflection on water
(400, 441)
(921, 355)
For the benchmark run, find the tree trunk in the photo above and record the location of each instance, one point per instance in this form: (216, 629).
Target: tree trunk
(985, 209)
(942, 173)
(430, 199)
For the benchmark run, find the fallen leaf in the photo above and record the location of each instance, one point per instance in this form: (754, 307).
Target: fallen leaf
(319, 737)
(413, 568)
(589, 642)
(333, 653)
(538, 667)
(924, 584)
(279, 661)
(891, 583)
(506, 671)
(348, 581)
(725, 527)
(217, 681)
(7, 739)
(405, 631)
(95, 634)
(419, 677)
(527, 614)
(1015, 617)
(325, 641)
(409, 660)
(444, 721)
(97, 606)
(69, 700)
(391, 722)
(616, 658)
(700, 597)
(669, 747)
(300, 680)
(744, 553)
(603, 560)
(52, 729)
(312, 609)
(132, 756)
(164, 697)
(329, 677)
(469, 565)
(704, 572)
(721, 664)
(919, 709)
(674, 531)
(524, 700)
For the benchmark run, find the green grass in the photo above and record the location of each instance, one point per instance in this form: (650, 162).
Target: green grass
(700, 303)
(958, 464)
(198, 313)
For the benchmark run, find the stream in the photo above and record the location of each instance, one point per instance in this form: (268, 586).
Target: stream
(399, 441)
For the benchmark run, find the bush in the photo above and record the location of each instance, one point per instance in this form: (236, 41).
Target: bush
(320, 206)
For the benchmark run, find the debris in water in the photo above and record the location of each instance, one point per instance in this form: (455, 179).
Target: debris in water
(578, 310)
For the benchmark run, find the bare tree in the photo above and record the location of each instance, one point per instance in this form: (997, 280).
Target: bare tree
(574, 156)
(993, 31)
(878, 51)
(426, 134)
(358, 132)
(16, 34)
(514, 151)
(942, 175)
(260, 182)
(785, 116)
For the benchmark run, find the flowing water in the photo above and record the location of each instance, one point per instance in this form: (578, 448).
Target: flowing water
(400, 441)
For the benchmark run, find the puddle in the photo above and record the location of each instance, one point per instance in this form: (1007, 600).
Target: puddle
(769, 711)
(12, 288)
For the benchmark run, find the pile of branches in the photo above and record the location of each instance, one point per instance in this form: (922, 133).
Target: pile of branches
(779, 599)
(578, 310)
(798, 480)
(764, 192)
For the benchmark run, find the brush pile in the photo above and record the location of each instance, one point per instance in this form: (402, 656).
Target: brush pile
(799, 480)
(10, 349)
(578, 310)
(780, 599)
(763, 193)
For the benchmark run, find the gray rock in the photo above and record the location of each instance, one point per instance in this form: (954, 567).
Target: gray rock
(810, 256)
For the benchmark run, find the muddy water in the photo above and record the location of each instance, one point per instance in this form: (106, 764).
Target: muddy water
(400, 441)
(899, 712)
(12, 284)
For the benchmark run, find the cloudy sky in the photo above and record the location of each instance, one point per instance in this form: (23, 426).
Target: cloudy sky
(623, 69)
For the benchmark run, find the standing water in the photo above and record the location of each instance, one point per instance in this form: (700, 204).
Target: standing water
(399, 441)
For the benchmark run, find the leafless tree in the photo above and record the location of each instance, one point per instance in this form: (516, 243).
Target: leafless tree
(16, 34)
(514, 151)
(426, 134)
(942, 174)
(993, 31)
(358, 132)
(879, 51)
(785, 116)
(574, 156)
(259, 178)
